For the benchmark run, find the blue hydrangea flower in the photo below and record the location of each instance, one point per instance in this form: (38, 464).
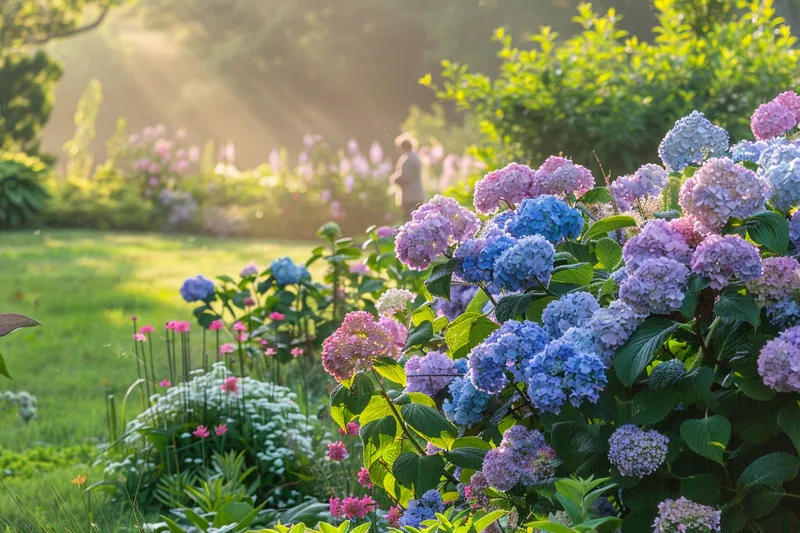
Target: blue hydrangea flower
(429, 374)
(548, 216)
(478, 256)
(637, 453)
(794, 229)
(460, 298)
(503, 353)
(612, 326)
(784, 179)
(423, 509)
(751, 150)
(584, 378)
(784, 313)
(499, 222)
(777, 153)
(570, 310)
(468, 405)
(619, 275)
(657, 287)
(691, 141)
(529, 260)
(286, 272)
(196, 289)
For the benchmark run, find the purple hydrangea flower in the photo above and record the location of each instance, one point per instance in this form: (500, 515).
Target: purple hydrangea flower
(464, 222)
(522, 457)
(722, 259)
(778, 151)
(772, 119)
(779, 361)
(356, 344)
(527, 263)
(794, 229)
(429, 374)
(690, 228)
(547, 216)
(475, 492)
(684, 516)
(511, 184)
(501, 467)
(791, 101)
(690, 141)
(250, 270)
(647, 182)
(780, 278)
(570, 310)
(423, 509)
(561, 177)
(417, 243)
(657, 239)
(612, 326)
(637, 453)
(503, 353)
(196, 289)
(721, 189)
(460, 298)
(656, 287)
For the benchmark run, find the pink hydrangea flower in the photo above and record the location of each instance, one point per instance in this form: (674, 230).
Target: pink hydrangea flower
(226, 348)
(139, 337)
(353, 508)
(358, 268)
(791, 101)
(296, 352)
(147, 328)
(276, 316)
(242, 337)
(355, 345)
(351, 428)
(169, 325)
(559, 176)
(384, 231)
(512, 184)
(398, 333)
(270, 351)
(216, 325)
(238, 326)
(165, 384)
(692, 231)
(201, 432)
(394, 515)
(364, 479)
(230, 385)
(337, 451)
(772, 120)
(221, 429)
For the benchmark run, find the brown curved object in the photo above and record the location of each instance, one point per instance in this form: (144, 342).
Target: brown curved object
(11, 322)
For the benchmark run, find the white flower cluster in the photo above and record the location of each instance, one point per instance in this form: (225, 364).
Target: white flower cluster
(393, 300)
(24, 401)
(280, 432)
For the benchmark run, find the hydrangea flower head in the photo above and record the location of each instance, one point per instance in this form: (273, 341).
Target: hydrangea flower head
(794, 229)
(784, 181)
(423, 509)
(511, 184)
(657, 286)
(637, 453)
(647, 182)
(749, 151)
(548, 216)
(478, 256)
(397, 332)
(779, 361)
(196, 289)
(394, 300)
(418, 242)
(720, 190)
(527, 263)
(355, 345)
(464, 223)
(781, 277)
(561, 177)
(784, 313)
(684, 516)
(475, 492)
(657, 239)
(286, 272)
(250, 270)
(778, 151)
(522, 457)
(772, 119)
(466, 405)
(690, 141)
(460, 298)
(723, 259)
(572, 309)
(502, 353)
(429, 374)
(692, 231)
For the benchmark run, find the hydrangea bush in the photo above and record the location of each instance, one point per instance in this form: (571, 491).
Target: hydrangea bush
(639, 341)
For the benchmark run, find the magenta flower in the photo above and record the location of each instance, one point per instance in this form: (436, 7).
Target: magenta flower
(269, 351)
(216, 325)
(201, 432)
(226, 348)
(296, 352)
(242, 337)
(353, 508)
(134, 317)
(358, 268)
(384, 231)
(355, 345)
(276, 316)
(170, 325)
(335, 507)
(364, 479)
(165, 384)
(249, 301)
(351, 428)
(394, 515)
(147, 328)
(238, 326)
(181, 327)
(221, 429)
(230, 385)
(337, 451)
(772, 120)
(139, 337)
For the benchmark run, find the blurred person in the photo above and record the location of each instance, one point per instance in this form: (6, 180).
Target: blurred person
(407, 178)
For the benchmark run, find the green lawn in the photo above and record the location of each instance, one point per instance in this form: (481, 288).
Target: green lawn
(84, 286)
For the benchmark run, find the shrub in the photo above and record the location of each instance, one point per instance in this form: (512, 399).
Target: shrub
(640, 372)
(22, 195)
(606, 92)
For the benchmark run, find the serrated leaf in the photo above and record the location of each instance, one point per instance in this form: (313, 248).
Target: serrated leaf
(708, 436)
(634, 356)
(598, 195)
(512, 306)
(738, 307)
(770, 230)
(770, 471)
(601, 227)
(391, 370)
(609, 253)
(438, 283)
(579, 274)
(430, 423)
(471, 458)
(667, 374)
(420, 335)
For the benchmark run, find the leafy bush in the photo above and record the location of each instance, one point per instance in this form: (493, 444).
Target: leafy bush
(628, 360)
(22, 196)
(605, 92)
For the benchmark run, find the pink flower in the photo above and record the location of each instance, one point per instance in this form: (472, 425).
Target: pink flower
(139, 337)
(394, 515)
(226, 348)
(201, 432)
(170, 325)
(242, 337)
(352, 428)
(384, 231)
(249, 301)
(358, 268)
(221, 429)
(264, 342)
(337, 451)
(276, 316)
(270, 351)
(181, 327)
(165, 384)
(364, 479)
(147, 328)
(134, 317)
(297, 352)
(216, 325)
(336, 507)
(230, 385)
(238, 326)
(352, 507)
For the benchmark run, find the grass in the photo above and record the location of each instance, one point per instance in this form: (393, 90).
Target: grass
(84, 286)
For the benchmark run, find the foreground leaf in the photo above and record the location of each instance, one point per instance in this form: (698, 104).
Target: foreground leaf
(637, 353)
(12, 321)
(707, 437)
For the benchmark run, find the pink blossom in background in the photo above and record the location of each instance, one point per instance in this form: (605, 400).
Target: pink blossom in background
(335, 507)
(201, 432)
(230, 385)
(160, 130)
(180, 134)
(139, 337)
(384, 231)
(170, 325)
(182, 166)
(238, 326)
(154, 168)
(296, 352)
(142, 164)
(147, 328)
(227, 155)
(182, 326)
(424, 154)
(394, 515)
(325, 195)
(216, 325)
(149, 133)
(352, 146)
(353, 508)
(383, 169)
(221, 429)
(337, 451)
(360, 165)
(349, 182)
(242, 337)
(364, 479)
(249, 301)
(264, 342)
(153, 181)
(193, 154)
(448, 168)
(134, 138)
(375, 153)
(344, 166)
(275, 160)
(358, 268)
(351, 428)
(276, 316)
(306, 171)
(163, 149)
(180, 154)
(226, 348)
(165, 384)
(270, 351)
(302, 158)
(437, 153)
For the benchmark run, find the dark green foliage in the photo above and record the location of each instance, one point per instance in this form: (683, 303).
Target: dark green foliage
(22, 195)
